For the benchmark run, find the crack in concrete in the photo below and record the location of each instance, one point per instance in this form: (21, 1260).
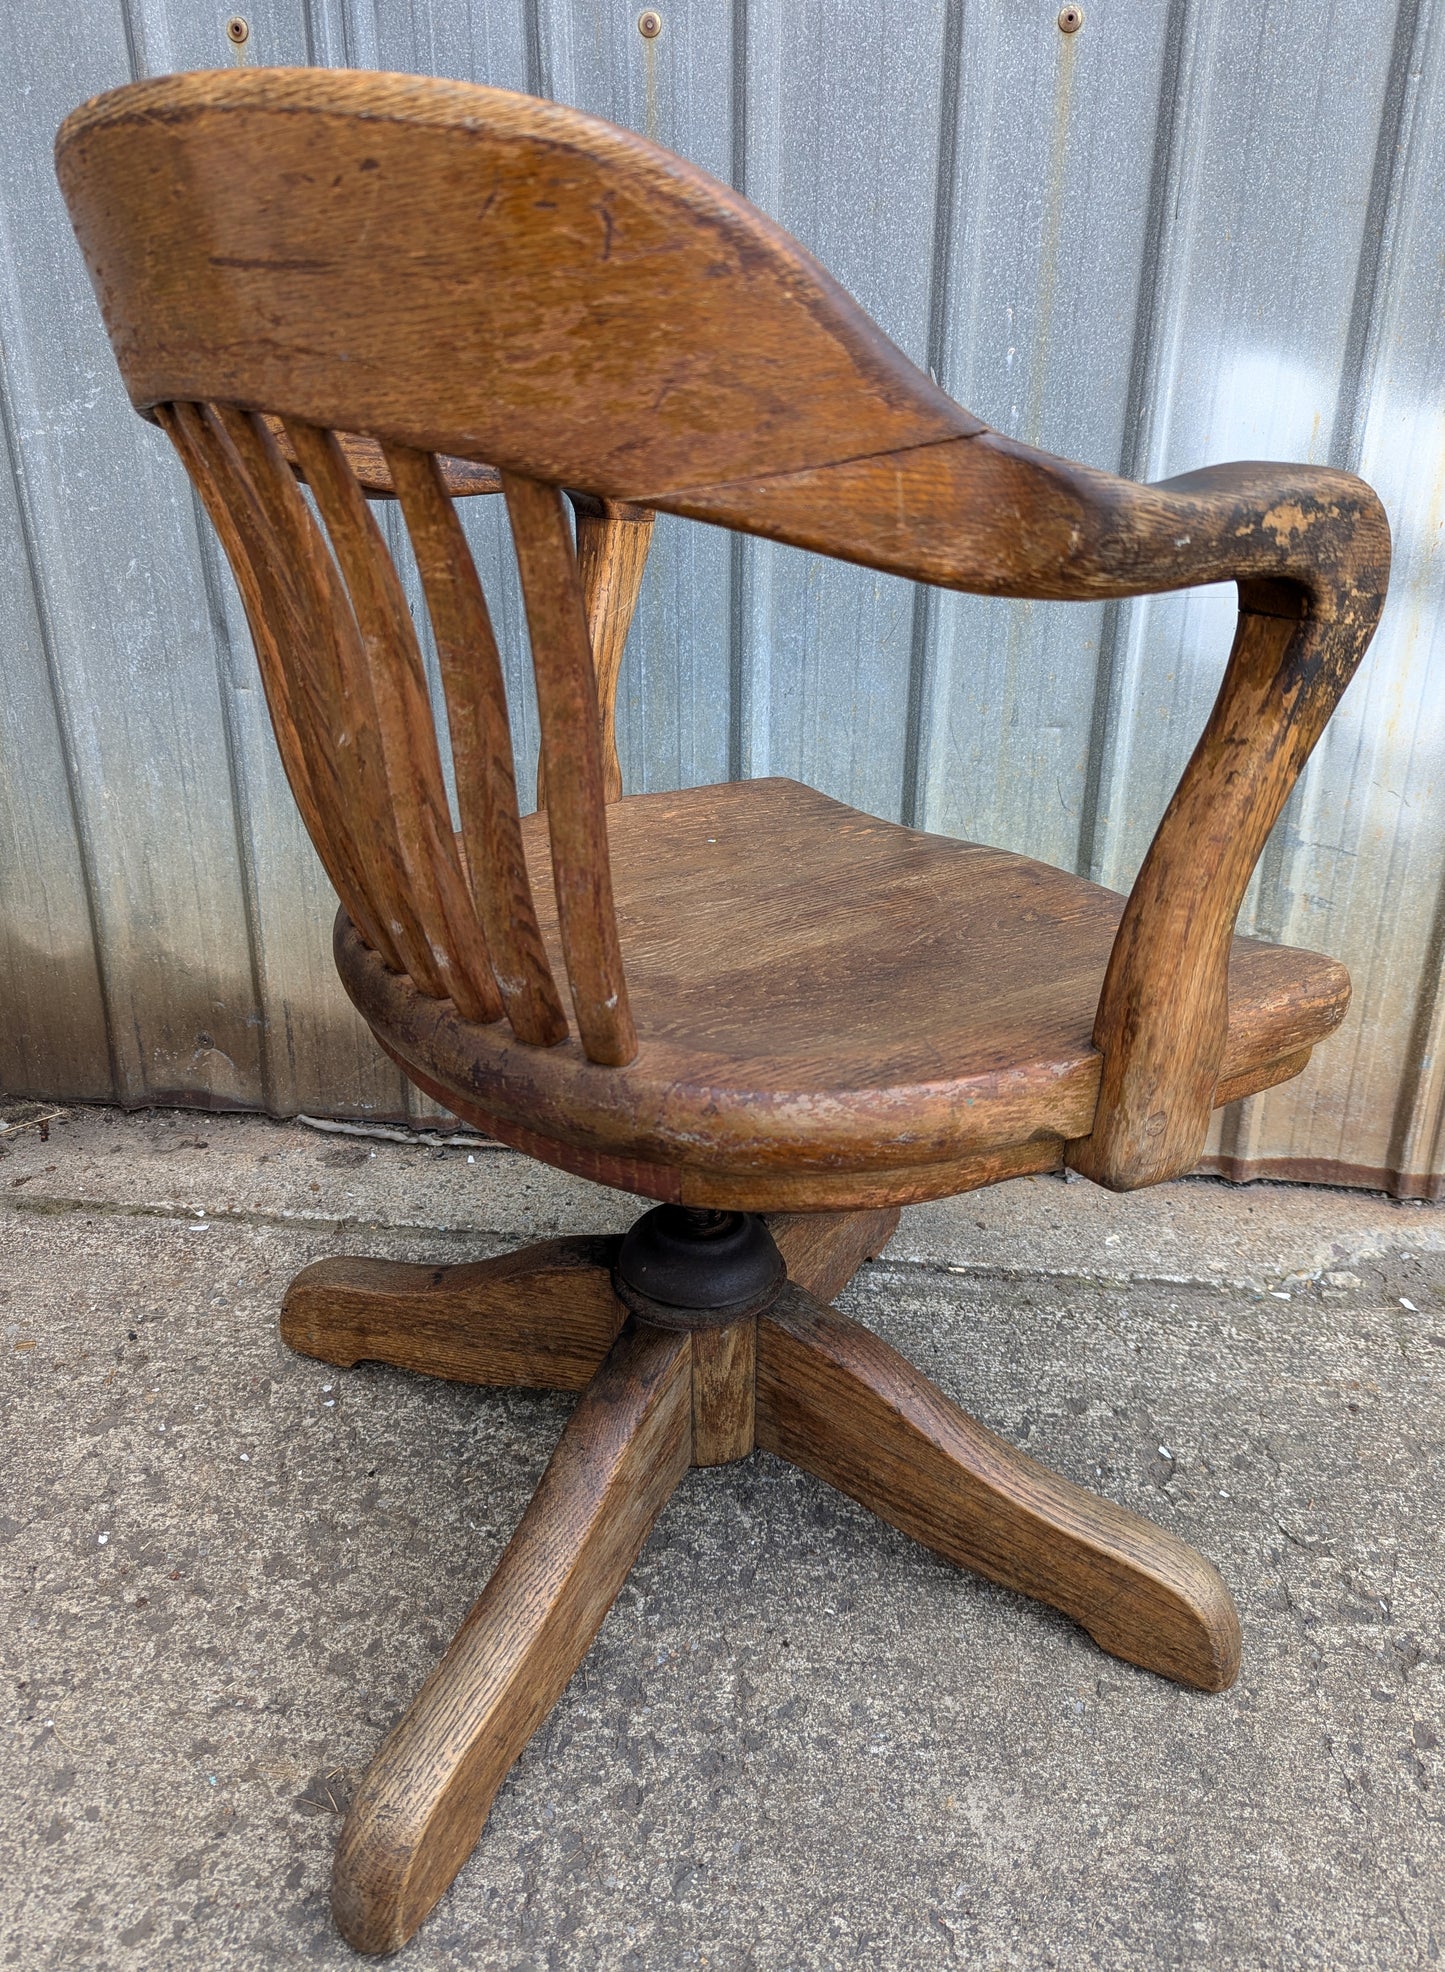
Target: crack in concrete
(54, 1205)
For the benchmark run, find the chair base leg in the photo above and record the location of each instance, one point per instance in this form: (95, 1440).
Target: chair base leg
(837, 1400)
(800, 1380)
(425, 1797)
(543, 1317)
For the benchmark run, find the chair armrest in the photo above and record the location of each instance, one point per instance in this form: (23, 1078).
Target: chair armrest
(1310, 550)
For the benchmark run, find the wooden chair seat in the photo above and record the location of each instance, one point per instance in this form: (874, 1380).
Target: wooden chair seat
(834, 1010)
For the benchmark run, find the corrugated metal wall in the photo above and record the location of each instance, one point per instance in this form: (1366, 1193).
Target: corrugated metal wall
(1194, 231)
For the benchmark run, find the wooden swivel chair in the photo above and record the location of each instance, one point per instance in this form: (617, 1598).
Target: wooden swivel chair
(787, 1019)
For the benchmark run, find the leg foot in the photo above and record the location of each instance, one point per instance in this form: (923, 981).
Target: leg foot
(837, 1400)
(423, 1801)
(544, 1316)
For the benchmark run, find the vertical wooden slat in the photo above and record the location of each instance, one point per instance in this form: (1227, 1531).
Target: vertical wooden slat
(323, 652)
(476, 698)
(572, 756)
(612, 544)
(408, 738)
(272, 609)
(357, 730)
(611, 557)
(322, 649)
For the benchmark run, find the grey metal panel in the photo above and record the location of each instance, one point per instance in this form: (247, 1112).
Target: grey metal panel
(1399, 760)
(841, 117)
(1360, 858)
(53, 1032)
(132, 654)
(1247, 353)
(1248, 334)
(1190, 232)
(1049, 212)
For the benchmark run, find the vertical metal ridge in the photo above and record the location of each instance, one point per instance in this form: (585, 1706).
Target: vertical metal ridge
(1415, 1111)
(1417, 1124)
(737, 546)
(362, 32)
(1170, 170)
(1419, 1114)
(1103, 717)
(325, 33)
(341, 33)
(242, 832)
(532, 40)
(134, 59)
(1138, 430)
(1271, 891)
(1382, 216)
(738, 118)
(85, 849)
(923, 635)
(912, 795)
(737, 656)
(1165, 175)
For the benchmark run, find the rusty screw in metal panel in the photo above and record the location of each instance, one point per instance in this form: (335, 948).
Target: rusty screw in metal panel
(1071, 19)
(649, 25)
(238, 30)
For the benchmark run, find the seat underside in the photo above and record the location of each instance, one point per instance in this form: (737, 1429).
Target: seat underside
(832, 1010)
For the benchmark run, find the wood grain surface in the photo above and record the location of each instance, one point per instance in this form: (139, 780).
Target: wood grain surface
(823, 1250)
(724, 1376)
(837, 1400)
(612, 545)
(414, 790)
(461, 478)
(567, 710)
(543, 1316)
(257, 561)
(433, 279)
(481, 746)
(422, 1803)
(834, 1011)
(802, 1381)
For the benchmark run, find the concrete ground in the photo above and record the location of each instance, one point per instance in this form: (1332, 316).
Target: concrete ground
(800, 1740)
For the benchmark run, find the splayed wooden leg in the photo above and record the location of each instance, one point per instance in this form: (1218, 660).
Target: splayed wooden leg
(837, 1400)
(423, 1801)
(544, 1316)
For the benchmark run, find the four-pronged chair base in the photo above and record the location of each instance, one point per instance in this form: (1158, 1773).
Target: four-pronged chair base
(798, 1379)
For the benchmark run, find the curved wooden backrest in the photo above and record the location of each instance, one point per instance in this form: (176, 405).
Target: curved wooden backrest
(475, 272)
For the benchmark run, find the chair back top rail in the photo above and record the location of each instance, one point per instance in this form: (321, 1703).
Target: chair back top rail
(460, 279)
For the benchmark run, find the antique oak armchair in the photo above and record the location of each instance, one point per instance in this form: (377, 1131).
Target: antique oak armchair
(780, 1017)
